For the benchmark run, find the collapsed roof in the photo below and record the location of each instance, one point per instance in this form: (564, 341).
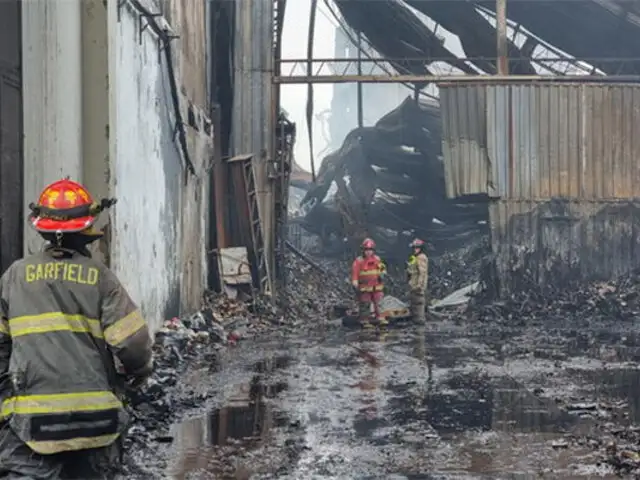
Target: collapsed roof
(604, 33)
(390, 176)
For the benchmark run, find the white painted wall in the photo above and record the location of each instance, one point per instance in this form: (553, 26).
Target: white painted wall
(52, 98)
(145, 171)
(158, 229)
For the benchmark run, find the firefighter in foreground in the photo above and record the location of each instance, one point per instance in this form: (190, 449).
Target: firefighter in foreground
(367, 276)
(418, 277)
(66, 320)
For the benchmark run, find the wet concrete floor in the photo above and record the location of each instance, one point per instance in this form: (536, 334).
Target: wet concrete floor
(441, 401)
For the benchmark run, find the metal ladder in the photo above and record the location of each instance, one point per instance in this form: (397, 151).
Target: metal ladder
(257, 238)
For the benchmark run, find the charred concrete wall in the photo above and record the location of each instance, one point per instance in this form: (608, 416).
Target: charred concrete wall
(101, 98)
(188, 19)
(559, 162)
(560, 241)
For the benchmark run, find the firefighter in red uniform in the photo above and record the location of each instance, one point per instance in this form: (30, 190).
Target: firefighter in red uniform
(367, 275)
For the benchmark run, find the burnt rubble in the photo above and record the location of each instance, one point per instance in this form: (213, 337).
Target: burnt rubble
(542, 323)
(198, 341)
(368, 187)
(612, 301)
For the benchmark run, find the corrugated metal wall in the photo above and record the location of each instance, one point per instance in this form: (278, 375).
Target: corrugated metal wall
(542, 140)
(561, 162)
(253, 114)
(464, 139)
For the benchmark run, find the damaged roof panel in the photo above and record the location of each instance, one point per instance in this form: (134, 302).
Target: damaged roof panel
(464, 143)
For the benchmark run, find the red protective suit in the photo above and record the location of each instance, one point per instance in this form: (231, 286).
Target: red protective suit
(367, 272)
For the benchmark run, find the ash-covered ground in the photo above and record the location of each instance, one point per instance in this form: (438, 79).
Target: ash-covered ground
(543, 384)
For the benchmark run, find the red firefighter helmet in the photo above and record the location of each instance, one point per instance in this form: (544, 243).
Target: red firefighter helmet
(65, 206)
(417, 243)
(368, 244)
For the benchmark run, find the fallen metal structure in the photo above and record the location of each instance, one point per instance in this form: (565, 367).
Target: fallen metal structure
(571, 34)
(387, 182)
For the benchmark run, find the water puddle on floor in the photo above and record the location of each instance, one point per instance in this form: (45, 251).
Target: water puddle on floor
(202, 444)
(473, 425)
(405, 404)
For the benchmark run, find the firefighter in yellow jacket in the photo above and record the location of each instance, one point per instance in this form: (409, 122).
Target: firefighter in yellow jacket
(418, 277)
(65, 319)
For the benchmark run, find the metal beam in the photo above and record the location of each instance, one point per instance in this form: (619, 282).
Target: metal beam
(501, 37)
(443, 79)
(331, 70)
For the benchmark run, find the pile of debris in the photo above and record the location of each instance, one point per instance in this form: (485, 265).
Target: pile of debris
(577, 303)
(198, 341)
(455, 269)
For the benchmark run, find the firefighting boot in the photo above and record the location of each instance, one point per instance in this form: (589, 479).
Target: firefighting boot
(365, 322)
(382, 322)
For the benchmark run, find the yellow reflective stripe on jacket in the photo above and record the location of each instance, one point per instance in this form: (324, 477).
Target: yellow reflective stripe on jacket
(377, 288)
(54, 322)
(51, 447)
(124, 328)
(60, 403)
(369, 273)
(4, 327)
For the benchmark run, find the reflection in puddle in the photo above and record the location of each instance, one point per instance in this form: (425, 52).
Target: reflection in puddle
(245, 420)
(475, 402)
(490, 425)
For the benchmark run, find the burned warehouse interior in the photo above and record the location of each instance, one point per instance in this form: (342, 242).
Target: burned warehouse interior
(524, 161)
(346, 239)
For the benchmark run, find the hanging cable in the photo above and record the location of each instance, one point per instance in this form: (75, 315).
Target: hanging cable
(166, 39)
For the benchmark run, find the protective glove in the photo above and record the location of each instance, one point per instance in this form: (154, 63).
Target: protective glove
(136, 383)
(137, 379)
(354, 284)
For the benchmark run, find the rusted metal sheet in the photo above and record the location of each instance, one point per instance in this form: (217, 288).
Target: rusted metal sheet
(557, 241)
(253, 122)
(246, 225)
(240, 225)
(11, 151)
(464, 139)
(234, 266)
(563, 140)
(542, 141)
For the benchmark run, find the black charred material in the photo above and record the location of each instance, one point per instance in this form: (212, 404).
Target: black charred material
(390, 186)
(574, 27)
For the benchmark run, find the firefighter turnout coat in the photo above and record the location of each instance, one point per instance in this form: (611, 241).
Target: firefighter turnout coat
(368, 273)
(64, 318)
(418, 272)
